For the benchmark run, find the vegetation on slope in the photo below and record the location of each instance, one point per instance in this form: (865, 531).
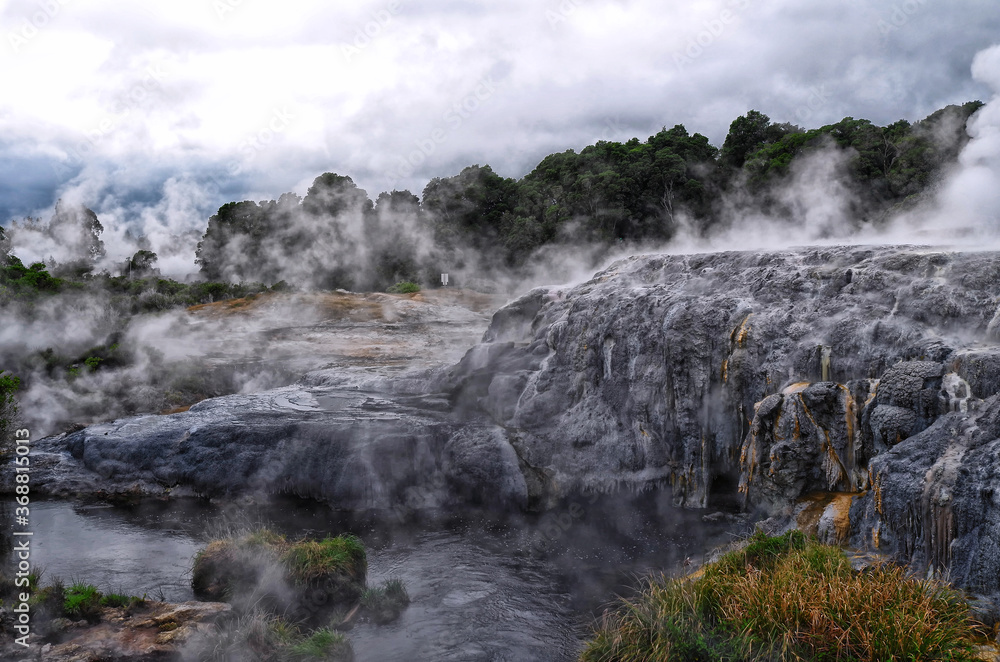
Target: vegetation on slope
(608, 193)
(788, 598)
(9, 384)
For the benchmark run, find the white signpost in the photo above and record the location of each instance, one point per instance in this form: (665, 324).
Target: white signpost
(444, 280)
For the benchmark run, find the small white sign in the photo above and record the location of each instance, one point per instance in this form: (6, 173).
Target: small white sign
(444, 280)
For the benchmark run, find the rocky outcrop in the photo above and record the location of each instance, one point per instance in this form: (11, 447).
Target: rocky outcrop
(772, 376)
(935, 499)
(851, 373)
(156, 631)
(357, 450)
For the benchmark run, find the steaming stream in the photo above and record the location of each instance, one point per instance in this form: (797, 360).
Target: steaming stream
(482, 587)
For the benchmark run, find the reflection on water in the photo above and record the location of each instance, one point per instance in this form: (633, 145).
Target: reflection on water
(484, 587)
(97, 545)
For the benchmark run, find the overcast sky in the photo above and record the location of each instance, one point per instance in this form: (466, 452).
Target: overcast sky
(172, 108)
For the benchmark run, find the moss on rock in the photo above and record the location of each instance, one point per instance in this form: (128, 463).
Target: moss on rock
(305, 578)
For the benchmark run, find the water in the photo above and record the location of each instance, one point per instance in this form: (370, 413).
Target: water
(101, 545)
(483, 586)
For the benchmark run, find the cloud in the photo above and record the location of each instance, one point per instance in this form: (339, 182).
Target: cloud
(111, 101)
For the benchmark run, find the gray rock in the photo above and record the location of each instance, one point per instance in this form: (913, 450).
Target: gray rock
(771, 373)
(935, 500)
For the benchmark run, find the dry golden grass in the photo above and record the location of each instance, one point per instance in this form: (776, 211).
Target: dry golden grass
(789, 598)
(355, 306)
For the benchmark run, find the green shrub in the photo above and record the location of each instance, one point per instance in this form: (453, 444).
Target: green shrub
(404, 287)
(26, 283)
(82, 601)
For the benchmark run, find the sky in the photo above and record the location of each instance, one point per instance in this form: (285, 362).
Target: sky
(155, 113)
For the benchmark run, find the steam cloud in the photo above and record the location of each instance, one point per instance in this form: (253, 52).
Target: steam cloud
(815, 204)
(972, 194)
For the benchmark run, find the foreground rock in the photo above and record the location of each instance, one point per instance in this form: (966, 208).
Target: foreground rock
(736, 378)
(359, 450)
(156, 631)
(303, 581)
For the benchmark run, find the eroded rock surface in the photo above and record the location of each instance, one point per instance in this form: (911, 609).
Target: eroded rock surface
(764, 377)
(155, 632)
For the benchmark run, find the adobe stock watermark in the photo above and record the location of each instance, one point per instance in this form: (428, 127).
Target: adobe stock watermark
(453, 118)
(563, 12)
(278, 123)
(31, 25)
(900, 15)
(818, 98)
(613, 129)
(135, 95)
(370, 31)
(712, 30)
(224, 8)
(22, 536)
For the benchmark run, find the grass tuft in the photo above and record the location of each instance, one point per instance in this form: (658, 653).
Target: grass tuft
(82, 601)
(308, 560)
(385, 603)
(258, 635)
(788, 598)
(321, 645)
(120, 600)
(304, 577)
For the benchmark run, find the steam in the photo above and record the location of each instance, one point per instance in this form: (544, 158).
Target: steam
(162, 361)
(815, 204)
(170, 228)
(971, 196)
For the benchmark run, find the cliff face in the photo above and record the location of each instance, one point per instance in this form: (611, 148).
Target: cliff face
(755, 379)
(704, 371)
(865, 379)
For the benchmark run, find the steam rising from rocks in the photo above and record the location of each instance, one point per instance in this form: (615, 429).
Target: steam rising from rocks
(972, 195)
(814, 205)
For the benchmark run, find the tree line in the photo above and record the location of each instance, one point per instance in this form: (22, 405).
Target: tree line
(609, 192)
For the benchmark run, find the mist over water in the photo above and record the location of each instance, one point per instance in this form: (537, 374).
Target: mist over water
(483, 586)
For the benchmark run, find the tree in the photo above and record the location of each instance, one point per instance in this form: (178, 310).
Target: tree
(9, 385)
(469, 206)
(393, 235)
(746, 135)
(142, 264)
(81, 226)
(230, 248)
(332, 194)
